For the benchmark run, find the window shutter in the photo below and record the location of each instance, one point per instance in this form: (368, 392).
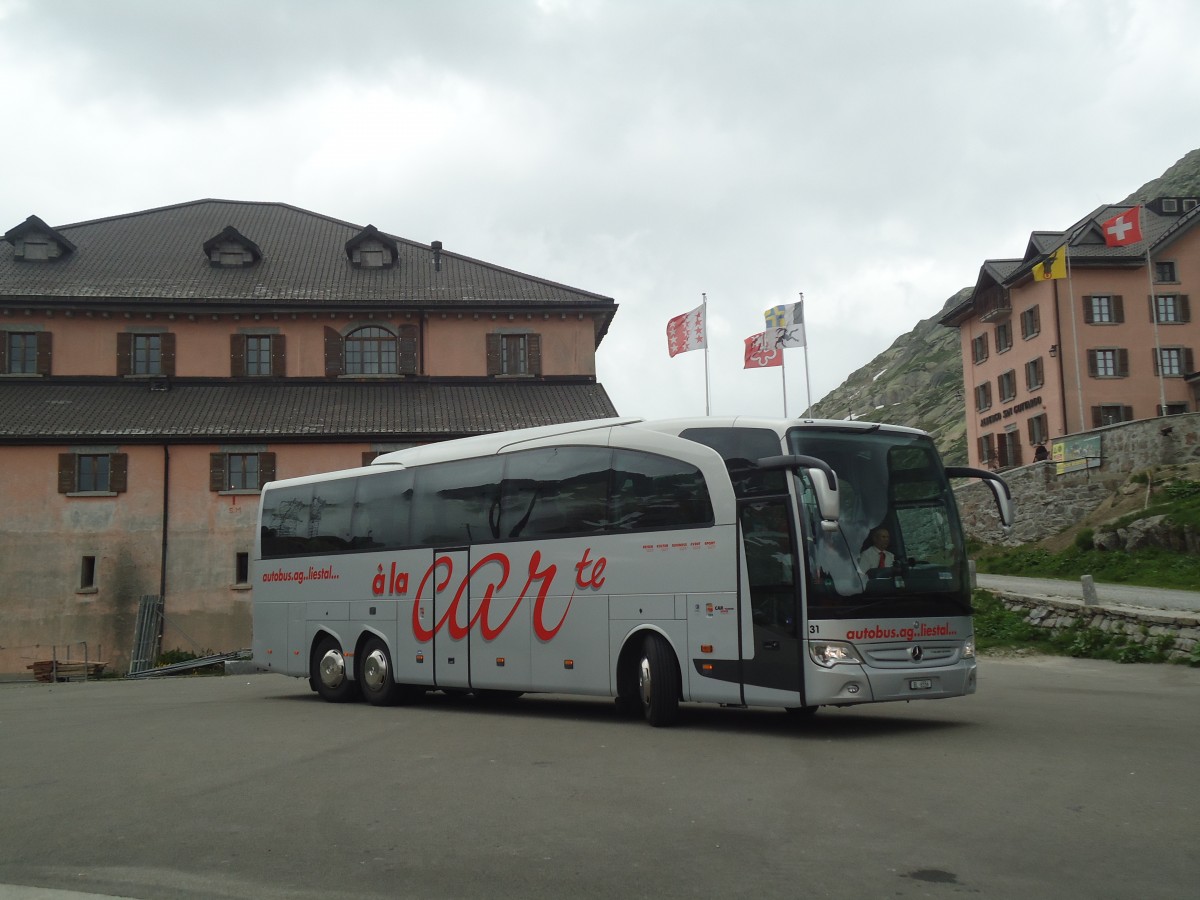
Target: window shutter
(1184, 308)
(66, 473)
(216, 472)
(534, 350)
(493, 354)
(1092, 363)
(118, 473)
(278, 356)
(1153, 309)
(368, 456)
(1118, 304)
(1087, 310)
(168, 354)
(335, 354)
(1188, 366)
(43, 352)
(3, 352)
(237, 355)
(266, 468)
(1097, 418)
(406, 344)
(1126, 413)
(1154, 358)
(1123, 363)
(124, 353)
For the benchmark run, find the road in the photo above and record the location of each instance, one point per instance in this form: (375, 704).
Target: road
(1119, 594)
(1061, 777)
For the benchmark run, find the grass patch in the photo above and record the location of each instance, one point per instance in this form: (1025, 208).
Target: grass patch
(1150, 567)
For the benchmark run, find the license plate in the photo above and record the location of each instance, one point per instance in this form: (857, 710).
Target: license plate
(920, 684)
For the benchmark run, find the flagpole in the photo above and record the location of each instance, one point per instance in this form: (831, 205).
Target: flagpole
(1162, 389)
(807, 383)
(783, 378)
(707, 402)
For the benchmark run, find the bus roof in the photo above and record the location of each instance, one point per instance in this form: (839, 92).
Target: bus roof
(490, 444)
(778, 425)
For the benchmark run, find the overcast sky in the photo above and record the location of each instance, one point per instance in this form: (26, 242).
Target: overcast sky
(869, 155)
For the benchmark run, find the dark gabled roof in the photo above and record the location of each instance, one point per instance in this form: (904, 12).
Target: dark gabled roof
(372, 233)
(231, 235)
(151, 256)
(34, 225)
(292, 410)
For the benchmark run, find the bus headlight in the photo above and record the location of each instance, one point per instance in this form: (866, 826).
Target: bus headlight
(968, 651)
(831, 653)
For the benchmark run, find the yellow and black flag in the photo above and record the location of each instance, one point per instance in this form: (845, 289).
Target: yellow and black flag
(1053, 266)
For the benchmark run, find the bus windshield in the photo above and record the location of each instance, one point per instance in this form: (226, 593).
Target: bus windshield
(898, 547)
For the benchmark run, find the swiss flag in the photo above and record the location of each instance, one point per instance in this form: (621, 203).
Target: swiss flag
(1123, 229)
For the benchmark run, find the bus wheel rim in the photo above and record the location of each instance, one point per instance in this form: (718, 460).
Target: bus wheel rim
(375, 670)
(332, 669)
(646, 682)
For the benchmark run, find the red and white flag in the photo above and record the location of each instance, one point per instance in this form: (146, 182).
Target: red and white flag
(686, 332)
(1123, 229)
(762, 350)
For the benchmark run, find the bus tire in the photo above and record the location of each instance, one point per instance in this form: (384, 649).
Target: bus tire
(375, 674)
(329, 671)
(658, 681)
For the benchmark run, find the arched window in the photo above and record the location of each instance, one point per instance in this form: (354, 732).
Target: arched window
(371, 351)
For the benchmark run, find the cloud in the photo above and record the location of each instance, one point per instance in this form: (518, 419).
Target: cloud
(870, 155)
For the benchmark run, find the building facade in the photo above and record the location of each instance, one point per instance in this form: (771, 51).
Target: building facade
(1077, 334)
(157, 368)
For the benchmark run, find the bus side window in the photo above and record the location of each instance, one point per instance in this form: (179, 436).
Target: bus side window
(652, 491)
(457, 503)
(555, 491)
(285, 521)
(329, 517)
(381, 510)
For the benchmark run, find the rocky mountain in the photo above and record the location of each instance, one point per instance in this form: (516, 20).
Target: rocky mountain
(918, 380)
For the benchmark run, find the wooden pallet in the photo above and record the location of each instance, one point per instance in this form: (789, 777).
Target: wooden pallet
(49, 670)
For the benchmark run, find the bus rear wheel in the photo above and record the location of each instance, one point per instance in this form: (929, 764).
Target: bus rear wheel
(329, 671)
(658, 681)
(375, 674)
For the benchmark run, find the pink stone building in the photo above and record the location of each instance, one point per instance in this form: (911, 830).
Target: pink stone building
(157, 368)
(1109, 338)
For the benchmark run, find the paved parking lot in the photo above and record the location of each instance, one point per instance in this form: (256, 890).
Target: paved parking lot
(1060, 778)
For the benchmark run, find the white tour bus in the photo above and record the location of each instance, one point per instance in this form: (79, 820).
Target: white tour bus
(712, 560)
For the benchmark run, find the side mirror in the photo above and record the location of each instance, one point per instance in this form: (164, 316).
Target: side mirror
(824, 480)
(999, 486)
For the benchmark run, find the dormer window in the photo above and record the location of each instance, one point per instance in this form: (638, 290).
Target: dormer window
(231, 250)
(372, 249)
(35, 241)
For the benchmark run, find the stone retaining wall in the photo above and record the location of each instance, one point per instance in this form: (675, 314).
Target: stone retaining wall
(1046, 503)
(1138, 625)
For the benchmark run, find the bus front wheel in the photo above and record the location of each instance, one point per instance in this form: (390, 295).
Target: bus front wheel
(658, 681)
(329, 671)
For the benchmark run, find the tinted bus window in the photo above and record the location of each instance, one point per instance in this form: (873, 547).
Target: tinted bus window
(556, 491)
(656, 492)
(457, 503)
(330, 514)
(285, 521)
(740, 448)
(382, 510)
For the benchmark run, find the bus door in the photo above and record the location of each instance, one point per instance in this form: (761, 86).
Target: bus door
(769, 544)
(451, 616)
